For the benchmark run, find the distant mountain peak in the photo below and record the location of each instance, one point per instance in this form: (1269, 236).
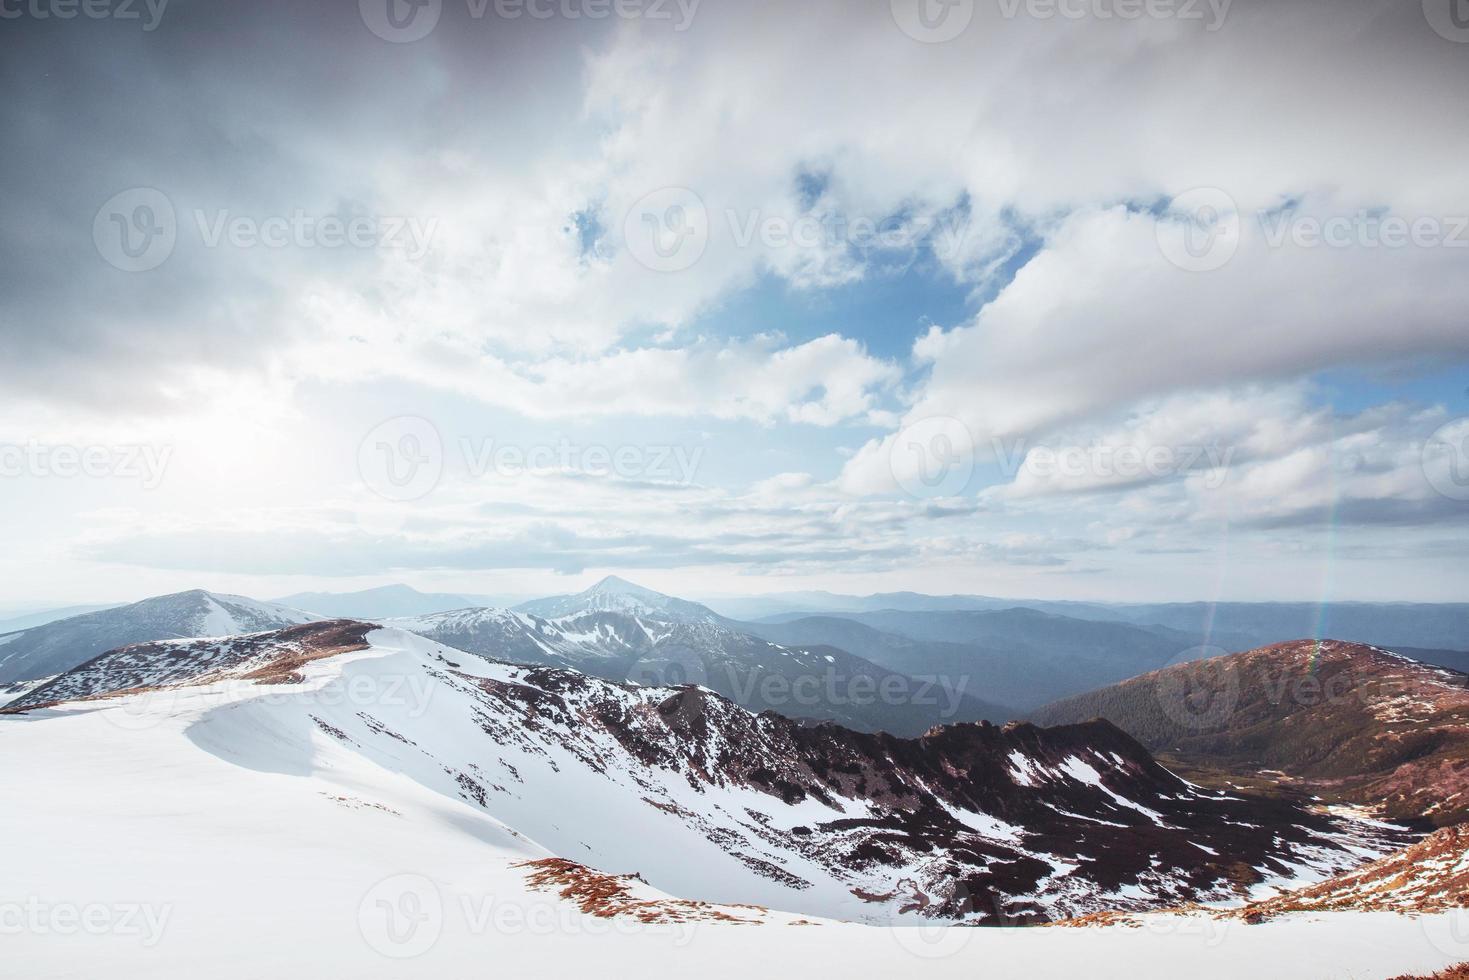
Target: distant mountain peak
(617, 595)
(614, 585)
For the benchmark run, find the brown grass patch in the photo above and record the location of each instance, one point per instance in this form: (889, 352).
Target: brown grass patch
(610, 896)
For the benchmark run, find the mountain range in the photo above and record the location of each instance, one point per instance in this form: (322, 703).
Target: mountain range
(643, 758)
(971, 822)
(621, 632)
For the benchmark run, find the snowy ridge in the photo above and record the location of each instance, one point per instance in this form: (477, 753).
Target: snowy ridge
(61, 645)
(707, 801)
(753, 672)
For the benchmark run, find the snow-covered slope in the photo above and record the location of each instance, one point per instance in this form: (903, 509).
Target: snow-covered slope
(59, 646)
(820, 683)
(973, 822)
(321, 807)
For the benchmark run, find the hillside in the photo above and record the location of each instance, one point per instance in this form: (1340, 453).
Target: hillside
(54, 647)
(1346, 722)
(1014, 656)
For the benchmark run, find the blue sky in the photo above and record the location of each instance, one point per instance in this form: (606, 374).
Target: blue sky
(773, 297)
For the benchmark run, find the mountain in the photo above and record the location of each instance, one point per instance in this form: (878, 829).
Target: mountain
(1346, 722)
(55, 647)
(382, 603)
(1452, 659)
(15, 624)
(761, 607)
(616, 595)
(1231, 625)
(1019, 657)
(1430, 875)
(525, 777)
(664, 643)
(1388, 625)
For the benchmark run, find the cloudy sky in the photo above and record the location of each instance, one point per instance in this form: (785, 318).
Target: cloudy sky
(1075, 298)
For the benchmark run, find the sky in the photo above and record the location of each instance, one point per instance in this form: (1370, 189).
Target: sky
(1090, 299)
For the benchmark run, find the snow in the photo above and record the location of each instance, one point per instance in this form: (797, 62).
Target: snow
(247, 831)
(19, 689)
(1025, 772)
(1085, 772)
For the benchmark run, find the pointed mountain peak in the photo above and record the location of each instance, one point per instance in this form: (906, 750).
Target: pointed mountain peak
(613, 585)
(618, 595)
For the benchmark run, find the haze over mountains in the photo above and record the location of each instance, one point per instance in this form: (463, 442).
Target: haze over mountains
(993, 662)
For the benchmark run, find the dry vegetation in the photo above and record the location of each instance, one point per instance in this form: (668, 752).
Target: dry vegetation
(611, 896)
